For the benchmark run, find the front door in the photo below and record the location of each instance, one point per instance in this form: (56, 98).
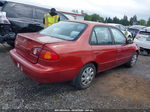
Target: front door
(124, 50)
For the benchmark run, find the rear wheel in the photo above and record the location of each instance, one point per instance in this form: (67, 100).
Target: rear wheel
(133, 60)
(85, 76)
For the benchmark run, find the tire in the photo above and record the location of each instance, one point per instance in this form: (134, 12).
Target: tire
(85, 77)
(133, 60)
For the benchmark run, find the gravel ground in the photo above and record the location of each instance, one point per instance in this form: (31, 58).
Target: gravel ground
(118, 88)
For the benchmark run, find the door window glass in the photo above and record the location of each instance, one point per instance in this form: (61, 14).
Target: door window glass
(103, 36)
(93, 39)
(119, 38)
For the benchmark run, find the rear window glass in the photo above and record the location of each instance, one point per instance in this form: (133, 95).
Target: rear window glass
(65, 30)
(15, 10)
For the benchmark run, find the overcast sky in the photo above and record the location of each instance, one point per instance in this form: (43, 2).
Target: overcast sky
(105, 8)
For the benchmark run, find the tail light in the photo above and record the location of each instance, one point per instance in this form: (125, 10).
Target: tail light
(44, 54)
(48, 55)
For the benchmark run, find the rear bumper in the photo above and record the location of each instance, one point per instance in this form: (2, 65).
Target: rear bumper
(142, 44)
(43, 74)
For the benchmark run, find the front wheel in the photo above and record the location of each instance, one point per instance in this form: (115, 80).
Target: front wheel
(85, 76)
(133, 60)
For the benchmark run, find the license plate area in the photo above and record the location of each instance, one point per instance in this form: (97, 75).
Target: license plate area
(19, 66)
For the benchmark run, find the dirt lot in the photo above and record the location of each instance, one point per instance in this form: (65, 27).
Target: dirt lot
(119, 88)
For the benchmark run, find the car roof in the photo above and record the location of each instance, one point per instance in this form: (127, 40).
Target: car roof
(138, 27)
(90, 22)
(113, 24)
(27, 4)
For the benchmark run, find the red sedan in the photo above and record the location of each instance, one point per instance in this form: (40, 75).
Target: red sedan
(72, 51)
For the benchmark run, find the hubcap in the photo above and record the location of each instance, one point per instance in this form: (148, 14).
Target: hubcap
(87, 76)
(134, 59)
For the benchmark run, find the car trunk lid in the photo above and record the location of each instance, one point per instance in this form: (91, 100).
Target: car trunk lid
(26, 42)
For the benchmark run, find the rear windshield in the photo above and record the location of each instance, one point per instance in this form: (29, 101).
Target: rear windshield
(144, 33)
(65, 30)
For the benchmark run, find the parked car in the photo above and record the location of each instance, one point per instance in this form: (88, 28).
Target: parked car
(73, 53)
(142, 39)
(135, 29)
(25, 18)
(6, 33)
(123, 29)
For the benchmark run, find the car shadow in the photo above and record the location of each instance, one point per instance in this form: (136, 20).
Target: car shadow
(107, 72)
(32, 90)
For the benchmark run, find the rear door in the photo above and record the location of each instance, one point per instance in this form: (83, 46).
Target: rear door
(103, 49)
(124, 50)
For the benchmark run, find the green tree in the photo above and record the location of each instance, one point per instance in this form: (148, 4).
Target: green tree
(95, 17)
(134, 18)
(148, 22)
(106, 19)
(124, 21)
(131, 21)
(87, 17)
(109, 20)
(142, 22)
(101, 19)
(135, 21)
(116, 20)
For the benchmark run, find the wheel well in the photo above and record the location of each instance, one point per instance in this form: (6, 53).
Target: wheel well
(95, 64)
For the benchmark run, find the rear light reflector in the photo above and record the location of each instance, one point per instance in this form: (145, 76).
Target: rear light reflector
(48, 55)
